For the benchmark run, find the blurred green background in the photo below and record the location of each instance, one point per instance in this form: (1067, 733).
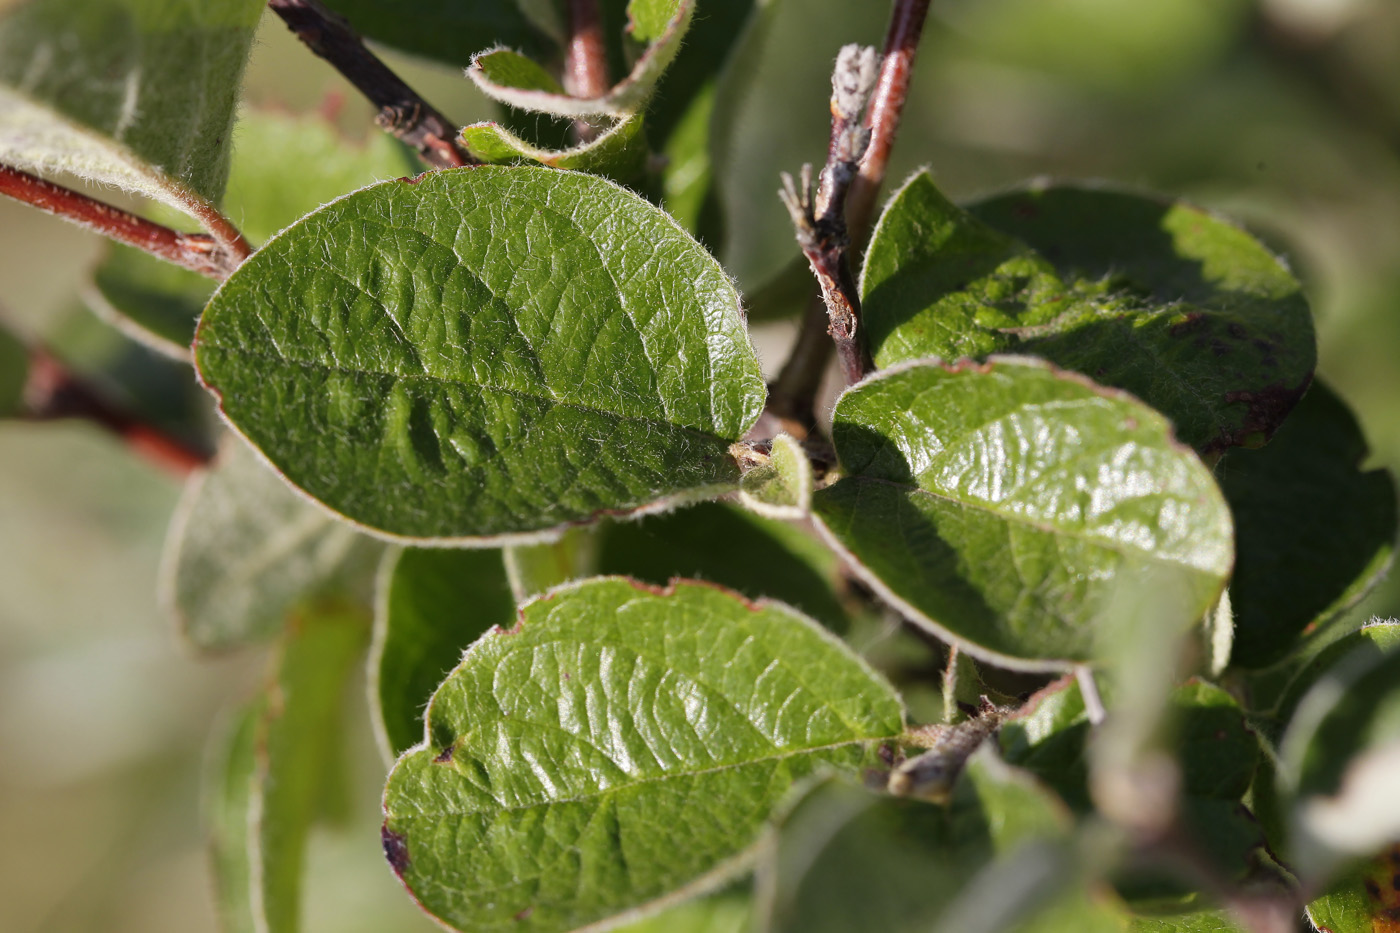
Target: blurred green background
(1282, 113)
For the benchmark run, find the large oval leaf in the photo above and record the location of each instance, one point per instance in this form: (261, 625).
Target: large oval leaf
(1186, 311)
(618, 745)
(483, 353)
(1006, 506)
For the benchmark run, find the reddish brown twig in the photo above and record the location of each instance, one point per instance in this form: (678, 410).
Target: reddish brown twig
(52, 392)
(586, 60)
(402, 111)
(196, 251)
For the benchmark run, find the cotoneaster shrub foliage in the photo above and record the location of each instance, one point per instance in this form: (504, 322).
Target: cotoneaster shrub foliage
(639, 639)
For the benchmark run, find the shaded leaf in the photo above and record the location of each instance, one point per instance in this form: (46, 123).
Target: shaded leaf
(1314, 531)
(1003, 506)
(722, 544)
(1189, 313)
(781, 487)
(508, 351)
(785, 295)
(134, 93)
(562, 785)
(446, 30)
(244, 549)
(14, 373)
(284, 167)
(619, 153)
(1373, 640)
(432, 605)
(516, 81)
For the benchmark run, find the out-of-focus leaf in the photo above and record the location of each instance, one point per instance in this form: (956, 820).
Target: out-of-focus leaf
(284, 166)
(1200, 921)
(513, 350)
(134, 93)
(619, 153)
(722, 544)
(1047, 737)
(447, 30)
(432, 605)
(534, 568)
(1189, 313)
(1366, 900)
(781, 487)
(14, 372)
(1373, 640)
(653, 763)
(244, 549)
(784, 295)
(228, 800)
(727, 911)
(516, 81)
(1001, 506)
(1314, 531)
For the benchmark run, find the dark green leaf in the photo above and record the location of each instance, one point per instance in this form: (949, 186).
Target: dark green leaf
(14, 372)
(1004, 506)
(284, 166)
(722, 544)
(1184, 310)
(447, 30)
(619, 745)
(486, 352)
(134, 93)
(432, 605)
(1314, 530)
(244, 549)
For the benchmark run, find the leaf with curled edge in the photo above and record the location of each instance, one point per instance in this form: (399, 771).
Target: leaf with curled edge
(619, 153)
(1186, 311)
(486, 354)
(620, 747)
(1004, 506)
(781, 485)
(139, 94)
(514, 80)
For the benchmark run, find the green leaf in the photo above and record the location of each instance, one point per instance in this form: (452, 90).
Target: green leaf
(227, 806)
(1314, 530)
(534, 568)
(722, 544)
(846, 859)
(14, 373)
(446, 30)
(432, 605)
(1372, 641)
(516, 81)
(619, 747)
(134, 93)
(1047, 737)
(619, 153)
(727, 911)
(1339, 761)
(510, 351)
(1365, 900)
(1200, 921)
(244, 549)
(1189, 313)
(780, 484)
(785, 295)
(1004, 506)
(284, 167)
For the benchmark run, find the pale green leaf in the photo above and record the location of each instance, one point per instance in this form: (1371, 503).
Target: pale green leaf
(1005, 506)
(432, 604)
(447, 30)
(618, 745)
(14, 373)
(780, 486)
(534, 568)
(513, 79)
(227, 804)
(486, 352)
(1199, 921)
(284, 167)
(619, 153)
(134, 93)
(1314, 530)
(244, 549)
(1189, 313)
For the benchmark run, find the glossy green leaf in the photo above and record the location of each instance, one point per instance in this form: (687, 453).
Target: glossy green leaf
(432, 605)
(781, 487)
(1314, 530)
(1004, 506)
(1365, 900)
(486, 352)
(719, 543)
(284, 167)
(243, 549)
(227, 805)
(1340, 761)
(619, 153)
(846, 859)
(1189, 313)
(14, 373)
(617, 746)
(134, 93)
(516, 81)
(446, 30)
